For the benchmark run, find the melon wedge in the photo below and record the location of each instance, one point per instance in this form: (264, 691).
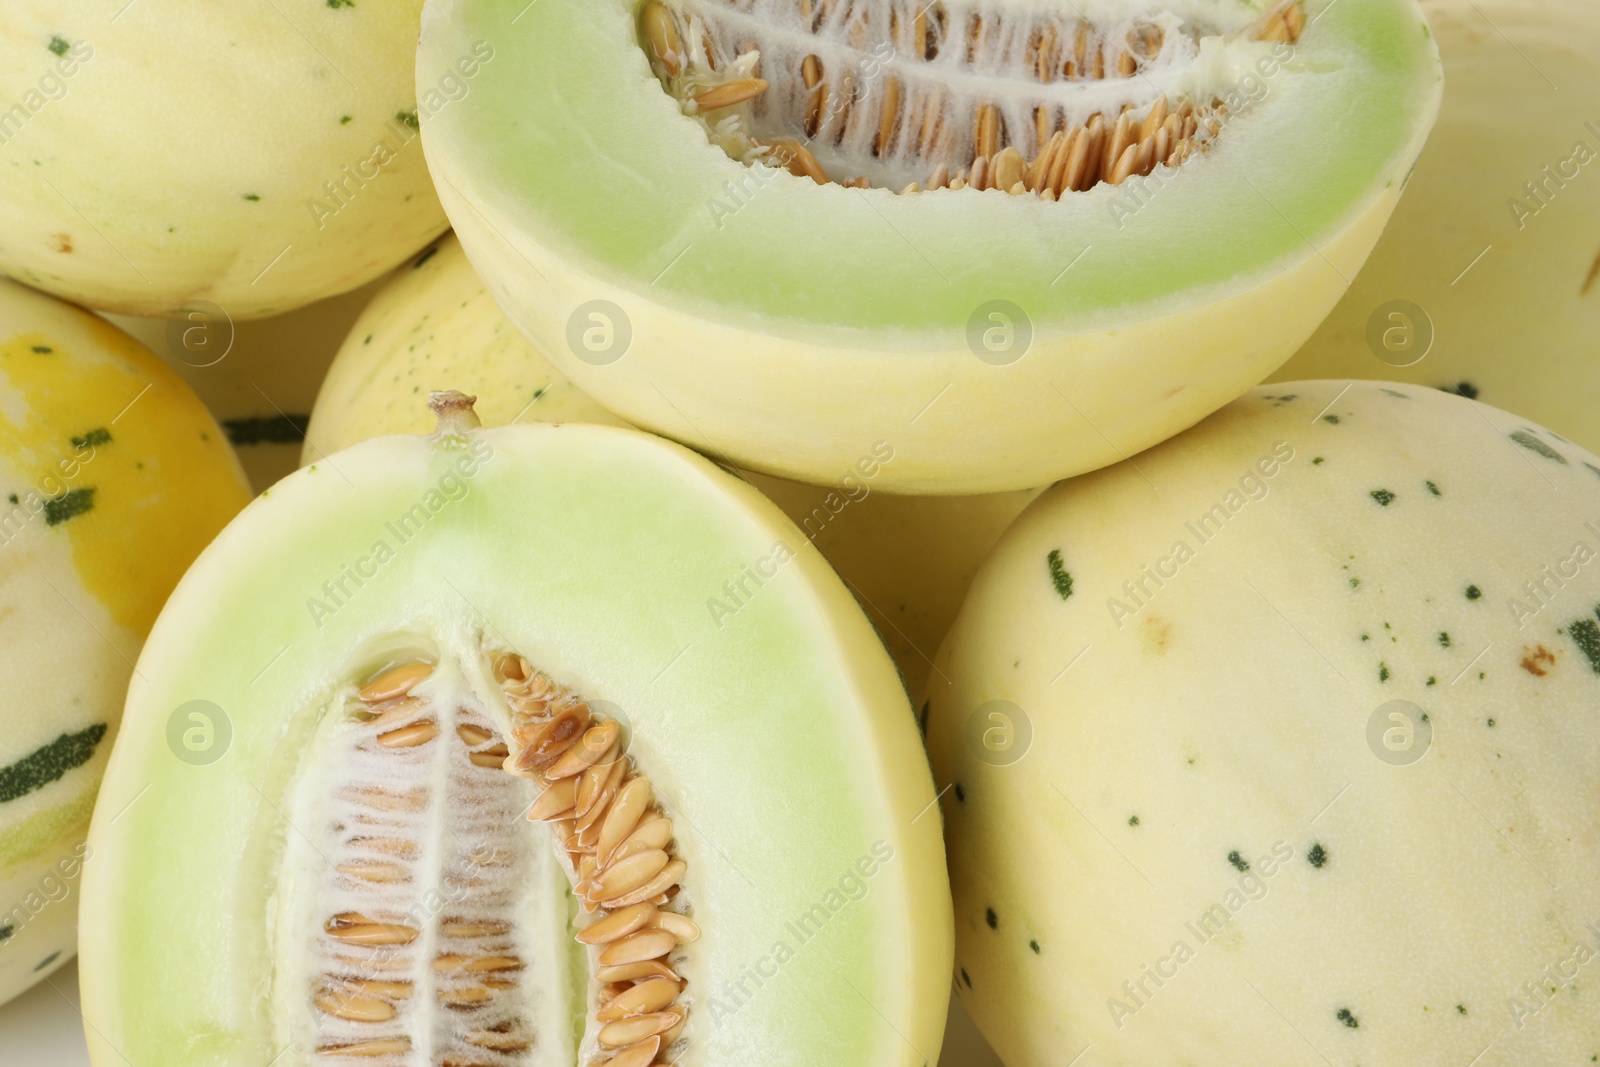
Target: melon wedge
(645, 233)
(349, 872)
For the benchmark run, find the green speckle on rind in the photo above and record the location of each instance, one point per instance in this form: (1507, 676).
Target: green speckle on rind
(59, 45)
(1527, 440)
(1383, 497)
(43, 766)
(1586, 635)
(73, 502)
(95, 437)
(1059, 577)
(409, 118)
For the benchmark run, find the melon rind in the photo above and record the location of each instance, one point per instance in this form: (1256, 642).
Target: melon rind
(1508, 283)
(782, 738)
(253, 157)
(805, 328)
(1378, 554)
(113, 476)
(433, 326)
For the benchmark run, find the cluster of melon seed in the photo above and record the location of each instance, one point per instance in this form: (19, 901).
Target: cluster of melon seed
(369, 992)
(911, 124)
(618, 847)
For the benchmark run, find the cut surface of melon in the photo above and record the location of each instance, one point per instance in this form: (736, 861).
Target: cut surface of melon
(642, 238)
(1487, 280)
(434, 326)
(716, 839)
(112, 478)
(1286, 706)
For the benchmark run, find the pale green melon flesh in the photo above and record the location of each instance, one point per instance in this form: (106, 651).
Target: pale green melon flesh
(907, 559)
(1507, 279)
(1203, 709)
(779, 739)
(568, 138)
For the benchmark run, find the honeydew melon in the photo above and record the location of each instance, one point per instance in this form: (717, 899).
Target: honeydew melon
(1276, 745)
(654, 252)
(336, 884)
(434, 326)
(1517, 326)
(254, 157)
(113, 477)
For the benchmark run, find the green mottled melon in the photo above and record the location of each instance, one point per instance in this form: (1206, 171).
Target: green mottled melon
(1276, 746)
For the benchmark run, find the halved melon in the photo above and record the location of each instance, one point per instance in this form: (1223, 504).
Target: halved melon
(908, 560)
(1276, 746)
(1488, 279)
(1198, 183)
(112, 478)
(247, 157)
(740, 802)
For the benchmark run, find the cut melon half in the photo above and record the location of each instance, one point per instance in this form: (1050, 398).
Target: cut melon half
(717, 840)
(659, 195)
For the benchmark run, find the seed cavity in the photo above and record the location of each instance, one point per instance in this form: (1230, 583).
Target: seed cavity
(919, 96)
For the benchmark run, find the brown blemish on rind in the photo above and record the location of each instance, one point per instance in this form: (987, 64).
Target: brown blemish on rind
(62, 242)
(1536, 661)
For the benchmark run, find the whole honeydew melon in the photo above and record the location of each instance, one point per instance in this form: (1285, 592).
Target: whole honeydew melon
(113, 477)
(1276, 746)
(255, 157)
(434, 326)
(1200, 181)
(1518, 328)
(727, 849)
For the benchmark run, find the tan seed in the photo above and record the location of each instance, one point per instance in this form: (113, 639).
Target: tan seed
(382, 1046)
(357, 1009)
(598, 743)
(623, 818)
(356, 929)
(618, 924)
(494, 756)
(377, 987)
(545, 742)
(501, 1042)
(640, 1027)
(666, 47)
(888, 117)
(555, 801)
(634, 972)
(640, 1054)
(681, 927)
(463, 998)
(642, 999)
(643, 945)
(597, 788)
(1125, 165)
(418, 733)
(980, 174)
(986, 136)
(670, 876)
(372, 871)
(477, 964)
(472, 736)
(628, 874)
(401, 711)
(394, 682)
(730, 93)
(470, 928)
(1008, 168)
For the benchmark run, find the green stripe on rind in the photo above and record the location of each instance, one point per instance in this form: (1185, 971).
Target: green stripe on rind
(567, 141)
(48, 764)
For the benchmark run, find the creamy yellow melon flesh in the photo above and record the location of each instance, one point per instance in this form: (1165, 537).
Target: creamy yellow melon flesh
(255, 157)
(1500, 292)
(1276, 746)
(112, 478)
(739, 852)
(640, 240)
(434, 326)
